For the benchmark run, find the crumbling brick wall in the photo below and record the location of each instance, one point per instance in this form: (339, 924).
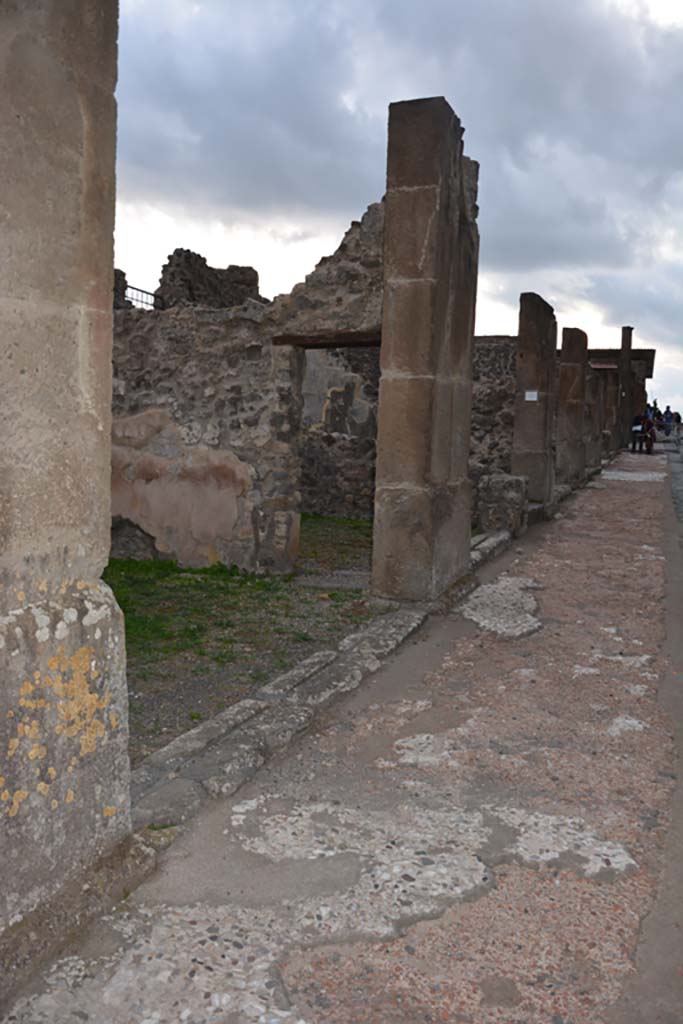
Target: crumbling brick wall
(187, 280)
(205, 466)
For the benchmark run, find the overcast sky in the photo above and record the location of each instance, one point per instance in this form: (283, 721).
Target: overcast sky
(253, 131)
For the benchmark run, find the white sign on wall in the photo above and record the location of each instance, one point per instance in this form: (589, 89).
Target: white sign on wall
(531, 396)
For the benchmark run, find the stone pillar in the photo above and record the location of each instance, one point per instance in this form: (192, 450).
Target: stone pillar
(64, 769)
(626, 404)
(605, 435)
(431, 245)
(592, 423)
(612, 408)
(571, 398)
(532, 444)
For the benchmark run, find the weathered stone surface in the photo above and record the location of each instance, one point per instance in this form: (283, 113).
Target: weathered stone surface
(422, 502)
(593, 420)
(494, 380)
(214, 472)
(64, 739)
(191, 499)
(170, 803)
(344, 292)
(572, 420)
(187, 280)
(339, 428)
(64, 801)
(120, 286)
(532, 453)
(503, 503)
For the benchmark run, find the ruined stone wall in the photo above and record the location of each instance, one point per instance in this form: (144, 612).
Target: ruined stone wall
(187, 280)
(494, 375)
(339, 431)
(339, 421)
(340, 424)
(204, 461)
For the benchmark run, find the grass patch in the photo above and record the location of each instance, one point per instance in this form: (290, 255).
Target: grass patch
(200, 639)
(332, 543)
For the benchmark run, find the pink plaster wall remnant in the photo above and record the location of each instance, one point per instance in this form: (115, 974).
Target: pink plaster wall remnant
(194, 501)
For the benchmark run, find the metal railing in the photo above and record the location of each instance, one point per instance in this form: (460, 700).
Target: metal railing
(142, 299)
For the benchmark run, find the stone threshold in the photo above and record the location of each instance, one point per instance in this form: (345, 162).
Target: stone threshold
(217, 757)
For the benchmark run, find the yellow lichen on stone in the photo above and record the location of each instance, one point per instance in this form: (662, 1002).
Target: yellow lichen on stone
(113, 720)
(108, 812)
(17, 800)
(78, 705)
(12, 746)
(43, 788)
(54, 805)
(37, 752)
(69, 798)
(52, 773)
(4, 796)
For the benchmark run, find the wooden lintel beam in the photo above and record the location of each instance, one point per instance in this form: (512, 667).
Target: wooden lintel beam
(332, 339)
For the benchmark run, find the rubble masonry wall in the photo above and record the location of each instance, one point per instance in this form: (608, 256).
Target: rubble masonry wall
(203, 402)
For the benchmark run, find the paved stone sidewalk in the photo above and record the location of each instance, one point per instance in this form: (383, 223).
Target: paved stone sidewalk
(474, 836)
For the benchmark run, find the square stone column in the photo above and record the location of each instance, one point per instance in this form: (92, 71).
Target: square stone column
(593, 423)
(64, 771)
(612, 424)
(571, 398)
(532, 443)
(431, 246)
(626, 398)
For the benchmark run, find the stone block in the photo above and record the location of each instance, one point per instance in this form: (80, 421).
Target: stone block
(405, 426)
(574, 346)
(421, 137)
(451, 527)
(64, 796)
(503, 503)
(409, 344)
(411, 234)
(402, 564)
(538, 468)
(532, 454)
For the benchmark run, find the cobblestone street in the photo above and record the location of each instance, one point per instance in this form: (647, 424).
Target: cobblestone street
(475, 836)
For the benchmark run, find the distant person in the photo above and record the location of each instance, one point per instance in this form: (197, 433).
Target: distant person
(668, 420)
(637, 433)
(677, 428)
(650, 435)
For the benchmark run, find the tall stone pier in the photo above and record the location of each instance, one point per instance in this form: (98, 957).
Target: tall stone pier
(612, 422)
(431, 244)
(571, 397)
(626, 403)
(532, 445)
(64, 773)
(593, 421)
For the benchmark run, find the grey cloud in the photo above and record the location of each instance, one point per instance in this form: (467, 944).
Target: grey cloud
(276, 112)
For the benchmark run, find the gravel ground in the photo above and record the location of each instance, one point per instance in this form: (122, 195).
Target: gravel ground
(199, 640)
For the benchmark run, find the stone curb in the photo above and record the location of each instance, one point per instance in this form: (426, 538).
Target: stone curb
(217, 757)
